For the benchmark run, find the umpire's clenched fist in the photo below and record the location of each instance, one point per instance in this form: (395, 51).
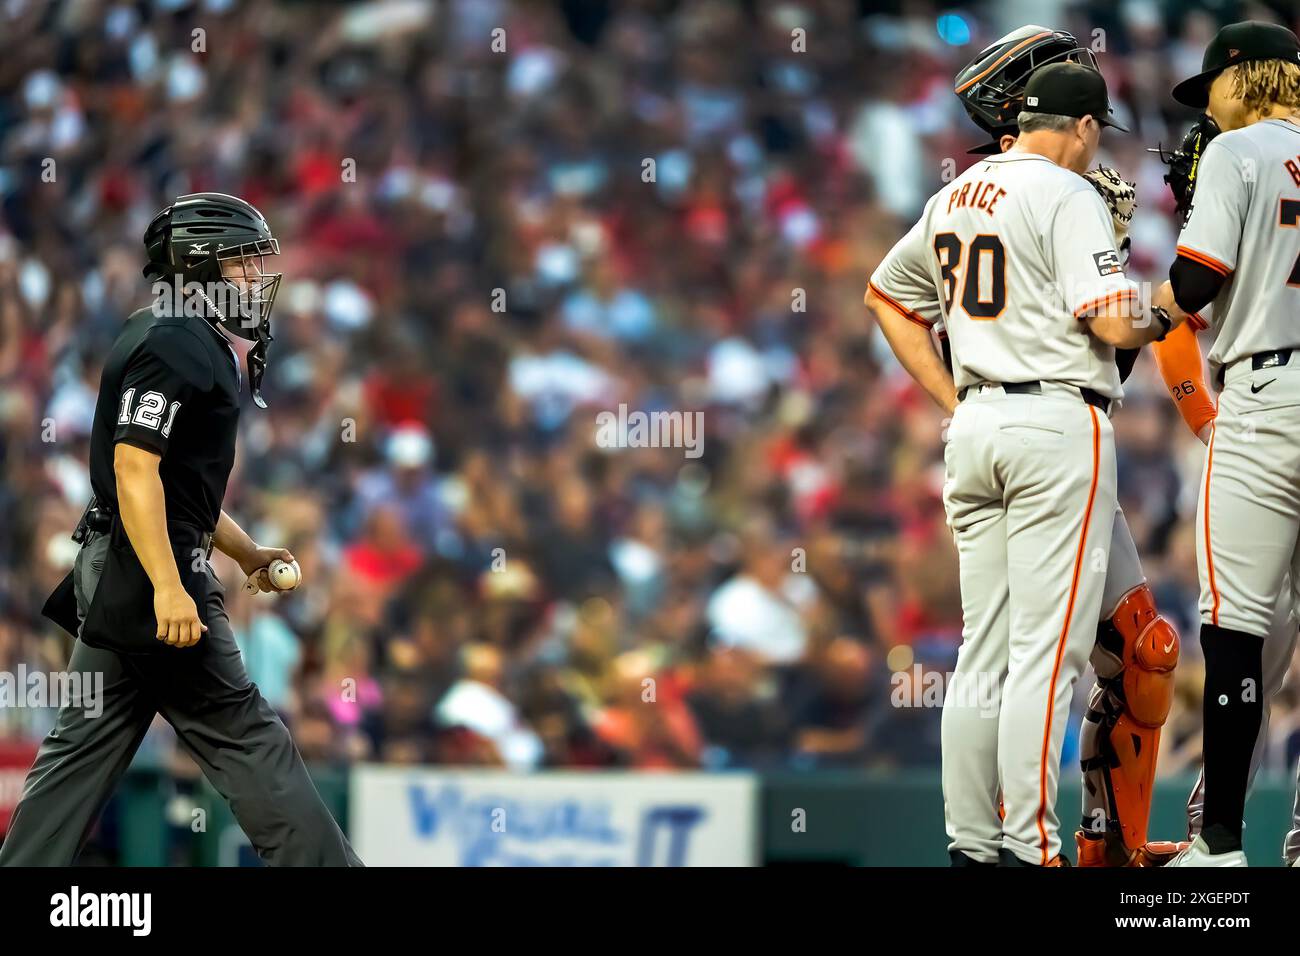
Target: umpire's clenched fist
(178, 617)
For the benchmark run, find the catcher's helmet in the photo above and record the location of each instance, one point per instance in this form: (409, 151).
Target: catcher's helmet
(992, 86)
(191, 238)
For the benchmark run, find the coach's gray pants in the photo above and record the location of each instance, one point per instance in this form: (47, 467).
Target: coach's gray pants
(221, 720)
(1030, 498)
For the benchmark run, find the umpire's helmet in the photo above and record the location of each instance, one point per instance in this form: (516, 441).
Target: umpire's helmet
(992, 86)
(192, 238)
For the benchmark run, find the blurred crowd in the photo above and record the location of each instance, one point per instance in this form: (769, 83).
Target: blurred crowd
(497, 220)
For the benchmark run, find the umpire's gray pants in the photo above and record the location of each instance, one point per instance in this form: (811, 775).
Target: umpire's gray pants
(220, 718)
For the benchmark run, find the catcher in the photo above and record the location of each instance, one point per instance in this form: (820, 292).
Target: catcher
(1136, 649)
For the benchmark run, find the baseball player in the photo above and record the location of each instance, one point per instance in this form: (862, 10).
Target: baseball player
(1180, 363)
(1181, 366)
(1017, 256)
(1236, 251)
(1136, 649)
(142, 599)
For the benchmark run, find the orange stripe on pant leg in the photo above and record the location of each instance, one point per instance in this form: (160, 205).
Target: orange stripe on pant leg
(1065, 630)
(1209, 557)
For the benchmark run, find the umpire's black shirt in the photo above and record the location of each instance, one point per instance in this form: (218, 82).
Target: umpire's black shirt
(171, 386)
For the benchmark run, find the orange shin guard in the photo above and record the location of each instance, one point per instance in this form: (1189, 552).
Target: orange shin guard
(1130, 712)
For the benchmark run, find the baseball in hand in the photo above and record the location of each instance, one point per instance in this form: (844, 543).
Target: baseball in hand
(285, 575)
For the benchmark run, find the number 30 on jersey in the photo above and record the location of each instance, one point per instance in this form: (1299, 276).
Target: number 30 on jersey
(984, 285)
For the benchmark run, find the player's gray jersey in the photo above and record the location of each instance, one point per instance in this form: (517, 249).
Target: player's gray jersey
(1245, 224)
(1009, 256)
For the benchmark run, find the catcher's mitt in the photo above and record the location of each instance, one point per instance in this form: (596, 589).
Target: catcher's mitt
(1120, 197)
(1185, 161)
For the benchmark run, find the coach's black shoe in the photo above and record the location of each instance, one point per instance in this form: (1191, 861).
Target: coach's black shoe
(962, 861)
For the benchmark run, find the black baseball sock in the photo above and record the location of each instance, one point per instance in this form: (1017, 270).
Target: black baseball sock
(1233, 706)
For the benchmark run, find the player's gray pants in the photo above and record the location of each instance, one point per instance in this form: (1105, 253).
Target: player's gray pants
(1030, 498)
(220, 718)
(1248, 508)
(1248, 515)
(1123, 569)
(1123, 574)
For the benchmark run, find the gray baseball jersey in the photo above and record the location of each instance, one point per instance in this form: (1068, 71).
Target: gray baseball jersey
(1244, 225)
(1019, 249)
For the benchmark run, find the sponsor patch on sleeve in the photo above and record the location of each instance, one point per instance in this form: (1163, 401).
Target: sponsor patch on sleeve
(1107, 262)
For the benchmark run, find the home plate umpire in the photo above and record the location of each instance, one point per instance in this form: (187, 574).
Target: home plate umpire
(142, 599)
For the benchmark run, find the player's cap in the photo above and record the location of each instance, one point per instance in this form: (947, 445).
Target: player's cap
(1069, 89)
(1237, 43)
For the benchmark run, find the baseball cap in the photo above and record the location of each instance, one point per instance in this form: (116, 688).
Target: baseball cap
(1237, 43)
(1069, 89)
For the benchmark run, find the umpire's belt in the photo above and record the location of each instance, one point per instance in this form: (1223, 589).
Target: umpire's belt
(1093, 398)
(101, 519)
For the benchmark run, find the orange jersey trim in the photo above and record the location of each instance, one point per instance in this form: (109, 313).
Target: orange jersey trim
(898, 307)
(1111, 298)
(1202, 258)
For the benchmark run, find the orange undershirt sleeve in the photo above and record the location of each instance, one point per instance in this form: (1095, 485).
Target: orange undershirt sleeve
(1179, 359)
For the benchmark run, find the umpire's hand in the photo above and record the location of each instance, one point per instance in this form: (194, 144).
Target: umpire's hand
(256, 563)
(178, 617)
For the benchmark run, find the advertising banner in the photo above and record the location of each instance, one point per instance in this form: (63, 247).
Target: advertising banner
(410, 816)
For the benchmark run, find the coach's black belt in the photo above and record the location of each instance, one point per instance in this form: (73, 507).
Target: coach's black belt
(1092, 397)
(100, 519)
(1262, 360)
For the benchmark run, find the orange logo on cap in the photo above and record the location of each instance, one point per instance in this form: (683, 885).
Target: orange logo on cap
(1233, 54)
